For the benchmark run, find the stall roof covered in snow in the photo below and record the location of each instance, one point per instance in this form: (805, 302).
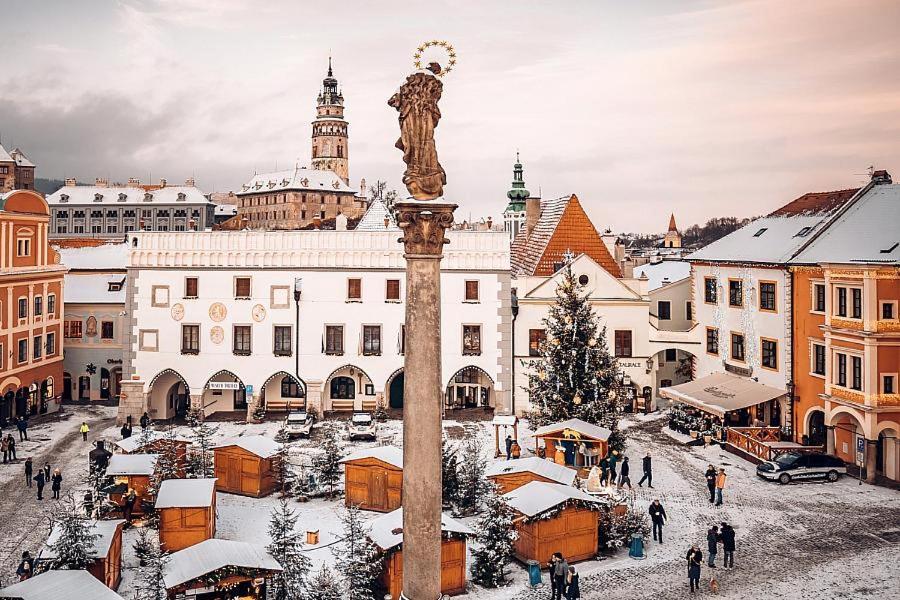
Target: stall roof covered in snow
(136, 442)
(106, 257)
(259, 445)
(583, 427)
(663, 273)
(537, 497)
(391, 455)
(507, 420)
(95, 288)
(104, 530)
(532, 464)
(387, 530)
(132, 464)
(212, 555)
(186, 493)
(60, 585)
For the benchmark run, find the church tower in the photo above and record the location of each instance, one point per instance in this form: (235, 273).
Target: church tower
(673, 237)
(514, 215)
(329, 130)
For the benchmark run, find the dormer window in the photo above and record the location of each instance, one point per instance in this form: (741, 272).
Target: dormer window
(64, 198)
(803, 232)
(760, 232)
(245, 187)
(304, 182)
(335, 184)
(116, 286)
(181, 197)
(284, 182)
(123, 197)
(148, 197)
(271, 184)
(98, 197)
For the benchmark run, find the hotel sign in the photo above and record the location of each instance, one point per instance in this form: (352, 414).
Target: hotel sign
(224, 385)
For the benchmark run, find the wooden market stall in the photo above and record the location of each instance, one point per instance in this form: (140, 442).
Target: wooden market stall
(503, 422)
(156, 442)
(215, 569)
(373, 478)
(247, 465)
(512, 474)
(60, 585)
(187, 512)
(551, 517)
(131, 472)
(573, 442)
(387, 534)
(106, 551)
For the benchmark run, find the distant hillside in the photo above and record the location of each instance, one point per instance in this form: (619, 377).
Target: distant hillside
(47, 186)
(695, 236)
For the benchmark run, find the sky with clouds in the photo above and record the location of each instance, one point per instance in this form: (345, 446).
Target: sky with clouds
(701, 107)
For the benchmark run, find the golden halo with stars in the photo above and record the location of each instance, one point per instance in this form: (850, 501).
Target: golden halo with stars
(448, 49)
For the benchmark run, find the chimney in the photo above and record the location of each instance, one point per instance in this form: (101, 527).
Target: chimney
(71, 182)
(162, 183)
(532, 214)
(881, 177)
(101, 182)
(190, 182)
(134, 181)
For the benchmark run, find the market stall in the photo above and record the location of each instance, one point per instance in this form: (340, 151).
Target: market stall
(573, 442)
(504, 425)
(187, 512)
(131, 472)
(513, 474)
(247, 465)
(105, 551)
(373, 478)
(60, 585)
(156, 442)
(215, 569)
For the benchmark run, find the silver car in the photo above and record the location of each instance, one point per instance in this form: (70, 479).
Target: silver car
(795, 466)
(299, 424)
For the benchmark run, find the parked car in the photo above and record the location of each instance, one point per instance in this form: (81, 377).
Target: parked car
(299, 423)
(362, 425)
(793, 465)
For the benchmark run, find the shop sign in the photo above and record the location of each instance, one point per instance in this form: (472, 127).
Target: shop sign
(224, 385)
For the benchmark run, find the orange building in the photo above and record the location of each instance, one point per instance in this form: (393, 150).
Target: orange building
(31, 307)
(846, 333)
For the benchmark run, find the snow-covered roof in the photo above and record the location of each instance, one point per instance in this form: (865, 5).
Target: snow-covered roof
(104, 530)
(663, 273)
(20, 158)
(374, 218)
(295, 179)
(584, 428)
(212, 555)
(387, 530)
(60, 585)
(4, 155)
(867, 232)
(136, 441)
(106, 257)
(95, 288)
(91, 194)
(259, 445)
(186, 493)
(537, 497)
(504, 420)
(391, 455)
(225, 210)
(532, 464)
(132, 464)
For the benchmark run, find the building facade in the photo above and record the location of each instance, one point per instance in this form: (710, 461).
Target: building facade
(16, 171)
(31, 305)
(330, 151)
(220, 328)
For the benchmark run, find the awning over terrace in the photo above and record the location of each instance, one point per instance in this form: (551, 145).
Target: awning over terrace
(720, 393)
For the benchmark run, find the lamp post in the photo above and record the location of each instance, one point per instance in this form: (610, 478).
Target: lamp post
(298, 291)
(514, 305)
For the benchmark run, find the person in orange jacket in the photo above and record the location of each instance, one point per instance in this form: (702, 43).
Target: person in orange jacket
(720, 486)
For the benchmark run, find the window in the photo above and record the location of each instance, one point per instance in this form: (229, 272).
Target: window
(767, 296)
(471, 340)
(664, 310)
(856, 382)
(712, 340)
(112, 228)
(241, 345)
(23, 351)
(760, 232)
(38, 306)
(242, 288)
(51, 343)
(818, 297)
(688, 311)
(62, 227)
(803, 232)
(392, 290)
(23, 308)
(671, 354)
(887, 384)
(106, 330)
(842, 302)
(472, 291)
(343, 388)
(888, 311)
(23, 247)
(818, 359)
(770, 354)
(51, 304)
(371, 340)
(737, 347)
(190, 339)
(623, 343)
(856, 295)
(735, 293)
(72, 329)
(334, 339)
(290, 388)
(354, 289)
(191, 287)
(842, 370)
(37, 347)
(402, 345)
(536, 337)
(282, 341)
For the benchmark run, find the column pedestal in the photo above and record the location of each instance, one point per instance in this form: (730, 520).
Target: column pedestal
(871, 460)
(829, 440)
(132, 401)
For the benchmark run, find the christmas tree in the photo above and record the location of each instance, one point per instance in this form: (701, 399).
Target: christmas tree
(167, 465)
(73, 547)
(472, 484)
(357, 558)
(200, 461)
(286, 548)
(449, 474)
(495, 537)
(283, 470)
(575, 376)
(324, 586)
(151, 585)
(327, 463)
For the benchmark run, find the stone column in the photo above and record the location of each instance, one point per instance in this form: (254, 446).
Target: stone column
(423, 224)
(132, 401)
(871, 460)
(829, 439)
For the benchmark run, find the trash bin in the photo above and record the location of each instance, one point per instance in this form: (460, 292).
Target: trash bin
(534, 573)
(636, 548)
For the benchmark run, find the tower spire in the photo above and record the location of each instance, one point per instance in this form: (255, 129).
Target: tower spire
(330, 74)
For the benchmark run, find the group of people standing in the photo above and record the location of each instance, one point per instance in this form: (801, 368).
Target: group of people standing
(8, 443)
(715, 483)
(563, 579)
(714, 537)
(43, 477)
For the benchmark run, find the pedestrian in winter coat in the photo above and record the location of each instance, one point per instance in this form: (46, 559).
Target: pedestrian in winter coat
(604, 470)
(128, 508)
(727, 536)
(145, 421)
(84, 429)
(695, 563)
(658, 517)
(613, 459)
(712, 545)
(720, 486)
(624, 474)
(648, 471)
(126, 431)
(572, 589)
(46, 471)
(4, 447)
(509, 443)
(40, 481)
(12, 446)
(56, 483)
(22, 426)
(560, 570)
(29, 469)
(711, 483)
(551, 567)
(26, 567)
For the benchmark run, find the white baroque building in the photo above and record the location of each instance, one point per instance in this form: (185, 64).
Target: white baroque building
(214, 321)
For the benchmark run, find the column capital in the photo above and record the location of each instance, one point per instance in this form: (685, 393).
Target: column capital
(424, 224)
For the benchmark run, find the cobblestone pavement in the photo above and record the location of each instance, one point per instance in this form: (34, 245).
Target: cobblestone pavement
(810, 541)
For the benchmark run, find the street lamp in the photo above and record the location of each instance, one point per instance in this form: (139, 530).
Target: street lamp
(514, 305)
(298, 291)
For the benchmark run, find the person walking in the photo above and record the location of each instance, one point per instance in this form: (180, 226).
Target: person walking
(84, 429)
(604, 470)
(695, 563)
(727, 535)
(658, 517)
(720, 486)
(624, 474)
(56, 484)
(12, 447)
(647, 467)
(551, 568)
(145, 421)
(711, 483)
(29, 469)
(126, 430)
(4, 447)
(129, 502)
(712, 545)
(613, 459)
(22, 426)
(40, 481)
(26, 567)
(560, 570)
(509, 444)
(572, 589)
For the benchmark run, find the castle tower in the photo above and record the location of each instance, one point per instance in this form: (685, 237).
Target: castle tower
(514, 215)
(673, 238)
(329, 130)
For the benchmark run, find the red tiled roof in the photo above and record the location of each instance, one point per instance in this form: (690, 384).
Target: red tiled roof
(563, 226)
(815, 203)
